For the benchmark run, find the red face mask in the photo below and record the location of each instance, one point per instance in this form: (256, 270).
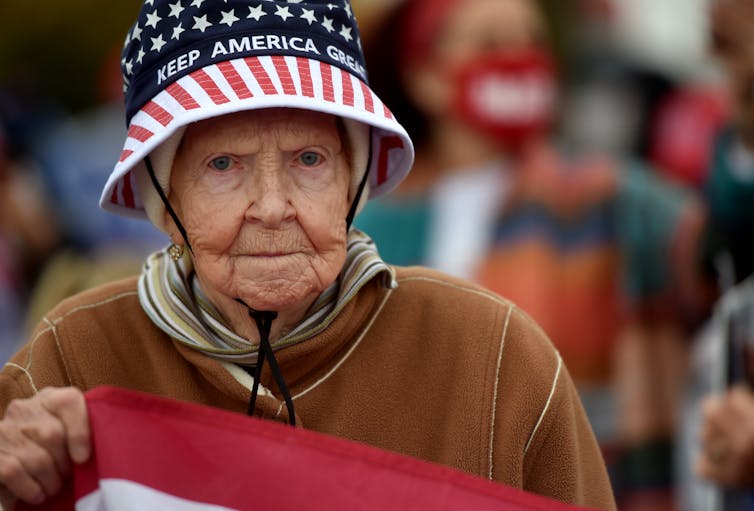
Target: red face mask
(509, 97)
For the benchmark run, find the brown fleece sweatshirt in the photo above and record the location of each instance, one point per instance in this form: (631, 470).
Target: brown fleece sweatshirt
(438, 368)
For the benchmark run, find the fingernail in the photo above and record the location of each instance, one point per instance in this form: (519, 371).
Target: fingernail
(80, 454)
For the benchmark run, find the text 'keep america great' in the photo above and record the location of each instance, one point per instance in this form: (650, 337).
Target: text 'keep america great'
(225, 49)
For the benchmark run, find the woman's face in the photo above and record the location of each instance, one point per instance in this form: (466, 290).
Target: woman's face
(484, 26)
(263, 196)
(472, 28)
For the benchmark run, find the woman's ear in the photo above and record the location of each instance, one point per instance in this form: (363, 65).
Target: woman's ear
(170, 228)
(168, 224)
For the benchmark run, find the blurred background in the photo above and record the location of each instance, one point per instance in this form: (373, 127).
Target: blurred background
(618, 215)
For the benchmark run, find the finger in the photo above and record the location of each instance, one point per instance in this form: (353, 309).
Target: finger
(39, 464)
(741, 399)
(716, 471)
(709, 411)
(50, 435)
(718, 417)
(703, 468)
(37, 425)
(18, 482)
(18, 449)
(70, 406)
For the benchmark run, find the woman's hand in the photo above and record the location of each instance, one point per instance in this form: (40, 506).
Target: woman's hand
(727, 436)
(39, 437)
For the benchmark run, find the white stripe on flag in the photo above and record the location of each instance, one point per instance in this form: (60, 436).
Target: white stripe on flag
(123, 495)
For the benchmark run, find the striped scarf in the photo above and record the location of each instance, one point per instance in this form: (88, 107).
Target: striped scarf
(171, 296)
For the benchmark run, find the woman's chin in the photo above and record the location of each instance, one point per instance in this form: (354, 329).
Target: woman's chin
(279, 298)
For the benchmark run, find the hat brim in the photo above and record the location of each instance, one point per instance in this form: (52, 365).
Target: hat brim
(254, 83)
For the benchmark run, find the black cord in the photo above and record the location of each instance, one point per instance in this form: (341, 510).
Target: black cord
(171, 211)
(362, 184)
(263, 320)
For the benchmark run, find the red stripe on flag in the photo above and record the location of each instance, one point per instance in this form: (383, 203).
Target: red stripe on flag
(327, 87)
(368, 102)
(114, 195)
(125, 154)
(388, 113)
(284, 74)
(139, 133)
(157, 113)
(209, 86)
(128, 192)
(256, 68)
(182, 96)
(235, 80)
(305, 75)
(347, 88)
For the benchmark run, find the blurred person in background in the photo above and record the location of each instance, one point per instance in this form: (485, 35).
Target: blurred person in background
(725, 453)
(75, 156)
(729, 186)
(599, 250)
(61, 98)
(28, 233)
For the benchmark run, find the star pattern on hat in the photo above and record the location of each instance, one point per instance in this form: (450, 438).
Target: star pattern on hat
(309, 16)
(157, 43)
(256, 12)
(136, 33)
(283, 13)
(346, 33)
(229, 18)
(163, 24)
(176, 9)
(327, 23)
(201, 23)
(153, 19)
(177, 31)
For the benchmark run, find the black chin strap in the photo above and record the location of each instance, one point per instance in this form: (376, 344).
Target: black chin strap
(263, 320)
(360, 189)
(165, 202)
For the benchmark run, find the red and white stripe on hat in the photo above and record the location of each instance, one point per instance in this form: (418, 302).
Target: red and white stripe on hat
(253, 83)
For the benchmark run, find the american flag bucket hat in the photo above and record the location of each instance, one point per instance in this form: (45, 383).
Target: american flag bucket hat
(189, 60)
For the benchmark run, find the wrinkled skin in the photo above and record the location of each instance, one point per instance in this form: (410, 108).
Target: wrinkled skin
(263, 196)
(40, 438)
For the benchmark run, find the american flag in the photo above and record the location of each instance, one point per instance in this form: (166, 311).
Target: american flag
(146, 457)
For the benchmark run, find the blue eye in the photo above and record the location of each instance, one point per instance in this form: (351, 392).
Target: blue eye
(310, 158)
(221, 163)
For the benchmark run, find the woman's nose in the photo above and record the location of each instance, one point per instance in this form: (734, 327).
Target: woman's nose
(270, 195)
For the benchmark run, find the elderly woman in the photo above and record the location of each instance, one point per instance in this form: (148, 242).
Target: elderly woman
(253, 141)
